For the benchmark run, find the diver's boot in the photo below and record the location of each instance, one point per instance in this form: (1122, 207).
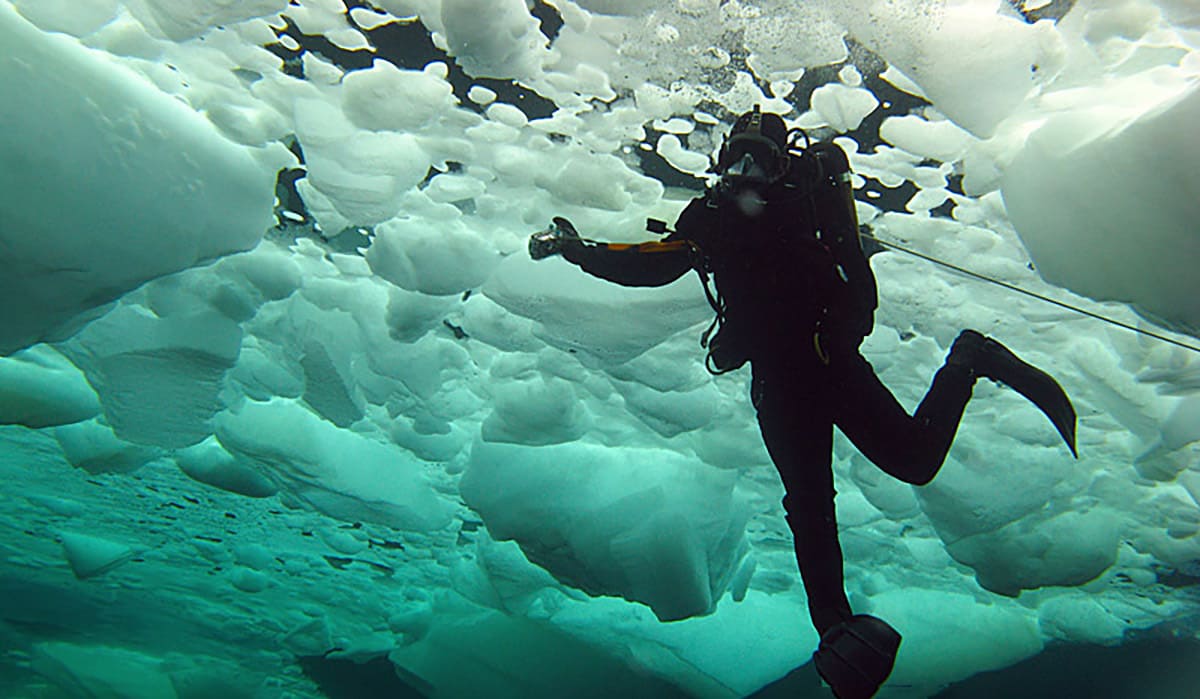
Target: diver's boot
(985, 357)
(856, 656)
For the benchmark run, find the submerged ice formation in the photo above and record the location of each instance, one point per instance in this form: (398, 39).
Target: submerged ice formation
(375, 431)
(107, 183)
(1124, 194)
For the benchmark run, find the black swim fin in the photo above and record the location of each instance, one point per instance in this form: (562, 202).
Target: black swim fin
(856, 656)
(990, 359)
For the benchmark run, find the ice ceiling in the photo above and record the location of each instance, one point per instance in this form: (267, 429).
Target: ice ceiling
(279, 381)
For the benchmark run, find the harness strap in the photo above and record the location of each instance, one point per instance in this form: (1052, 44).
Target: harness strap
(718, 305)
(714, 300)
(821, 353)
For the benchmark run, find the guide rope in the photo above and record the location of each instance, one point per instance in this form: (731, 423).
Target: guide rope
(1013, 287)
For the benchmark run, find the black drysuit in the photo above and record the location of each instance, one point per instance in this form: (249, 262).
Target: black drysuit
(797, 297)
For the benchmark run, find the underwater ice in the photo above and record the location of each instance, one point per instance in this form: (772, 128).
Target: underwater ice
(371, 429)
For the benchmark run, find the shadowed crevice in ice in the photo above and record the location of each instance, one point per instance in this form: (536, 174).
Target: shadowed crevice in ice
(358, 679)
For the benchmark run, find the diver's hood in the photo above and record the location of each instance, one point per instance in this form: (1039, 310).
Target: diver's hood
(751, 157)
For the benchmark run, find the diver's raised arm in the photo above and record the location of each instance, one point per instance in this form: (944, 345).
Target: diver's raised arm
(654, 263)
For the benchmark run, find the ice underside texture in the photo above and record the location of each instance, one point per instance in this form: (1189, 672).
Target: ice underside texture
(243, 434)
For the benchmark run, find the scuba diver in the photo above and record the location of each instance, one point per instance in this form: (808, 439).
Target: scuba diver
(795, 296)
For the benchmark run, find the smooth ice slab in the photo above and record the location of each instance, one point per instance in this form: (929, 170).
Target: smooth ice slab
(107, 183)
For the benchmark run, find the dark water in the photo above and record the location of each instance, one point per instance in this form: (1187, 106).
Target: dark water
(1159, 668)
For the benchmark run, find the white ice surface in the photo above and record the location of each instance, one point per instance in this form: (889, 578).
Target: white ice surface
(108, 183)
(1123, 176)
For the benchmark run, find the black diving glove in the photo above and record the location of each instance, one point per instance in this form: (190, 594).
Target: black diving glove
(553, 239)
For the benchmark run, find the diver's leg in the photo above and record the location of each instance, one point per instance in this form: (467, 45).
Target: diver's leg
(856, 653)
(909, 448)
(799, 438)
(913, 448)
